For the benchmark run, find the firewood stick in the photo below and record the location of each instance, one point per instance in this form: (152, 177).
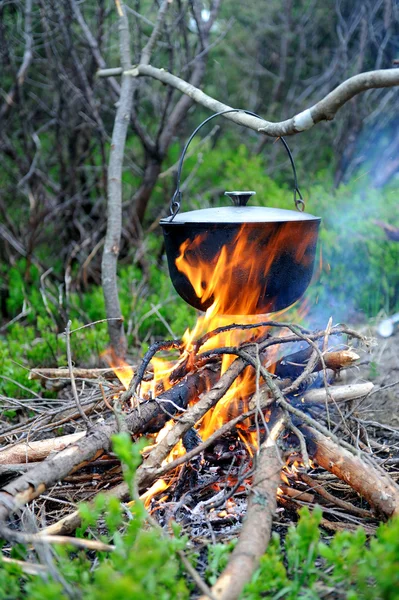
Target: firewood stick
(27, 567)
(27, 452)
(148, 417)
(337, 526)
(341, 359)
(256, 530)
(31, 538)
(297, 494)
(60, 373)
(339, 393)
(369, 481)
(148, 475)
(69, 523)
(293, 364)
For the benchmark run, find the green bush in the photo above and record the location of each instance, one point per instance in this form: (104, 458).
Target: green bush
(306, 567)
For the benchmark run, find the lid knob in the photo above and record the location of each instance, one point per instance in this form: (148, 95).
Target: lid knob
(239, 198)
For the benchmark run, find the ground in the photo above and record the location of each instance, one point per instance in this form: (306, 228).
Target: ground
(381, 366)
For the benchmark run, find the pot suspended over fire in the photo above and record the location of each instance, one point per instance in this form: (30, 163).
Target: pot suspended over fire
(244, 260)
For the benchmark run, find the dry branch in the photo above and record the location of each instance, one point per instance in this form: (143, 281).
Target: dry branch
(27, 452)
(324, 110)
(114, 196)
(294, 364)
(370, 482)
(150, 416)
(188, 420)
(60, 373)
(256, 530)
(69, 523)
(338, 393)
(12, 95)
(319, 488)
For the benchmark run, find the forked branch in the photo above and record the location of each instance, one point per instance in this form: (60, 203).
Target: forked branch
(324, 110)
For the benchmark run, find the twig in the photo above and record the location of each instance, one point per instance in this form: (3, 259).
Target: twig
(202, 586)
(27, 567)
(69, 523)
(148, 48)
(189, 418)
(37, 451)
(319, 488)
(79, 373)
(156, 347)
(97, 441)
(34, 538)
(302, 442)
(72, 377)
(287, 406)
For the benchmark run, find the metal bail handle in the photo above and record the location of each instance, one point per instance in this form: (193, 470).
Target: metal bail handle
(176, 199)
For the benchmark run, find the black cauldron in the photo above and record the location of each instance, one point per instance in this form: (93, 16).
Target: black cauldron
(275, 249)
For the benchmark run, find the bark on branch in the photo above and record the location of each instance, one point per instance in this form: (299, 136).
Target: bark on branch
(256, 530)
(375, 485)
(324, 110)
(149, 417)
(114, 196)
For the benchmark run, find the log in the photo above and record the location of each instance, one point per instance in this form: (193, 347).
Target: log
(369, 481)
(256, 530)
(339, 393)
(291, 366)
(148, 417)
(27, 452)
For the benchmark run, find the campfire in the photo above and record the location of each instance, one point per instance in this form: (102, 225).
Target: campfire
(241, 415)
(246, 407)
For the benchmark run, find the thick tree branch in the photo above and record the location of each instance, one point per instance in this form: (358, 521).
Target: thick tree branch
(325, 110)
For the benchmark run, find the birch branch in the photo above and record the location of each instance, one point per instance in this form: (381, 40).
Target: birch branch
(324, 110)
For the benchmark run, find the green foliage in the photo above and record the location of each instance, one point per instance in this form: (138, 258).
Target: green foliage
(144, 563)
(307, 568)
(39, 339)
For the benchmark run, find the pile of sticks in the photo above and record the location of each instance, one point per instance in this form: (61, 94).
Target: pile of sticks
(312, 415)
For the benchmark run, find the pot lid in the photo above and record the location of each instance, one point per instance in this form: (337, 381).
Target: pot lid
(238, 213)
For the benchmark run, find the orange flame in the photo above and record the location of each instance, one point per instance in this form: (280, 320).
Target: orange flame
(234, 282)
(121, 368)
